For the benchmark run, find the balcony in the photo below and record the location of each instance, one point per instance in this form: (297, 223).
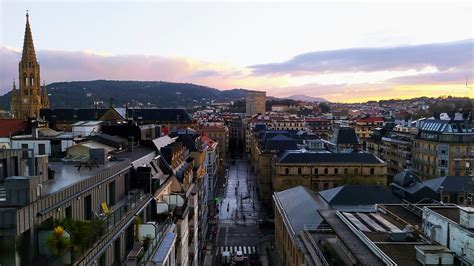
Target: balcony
(120, 217)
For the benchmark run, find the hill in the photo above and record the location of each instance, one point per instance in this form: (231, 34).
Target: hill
(83, 94)
(305, 98)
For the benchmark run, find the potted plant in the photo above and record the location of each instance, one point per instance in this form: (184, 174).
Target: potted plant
(147, 241)
(58, 243)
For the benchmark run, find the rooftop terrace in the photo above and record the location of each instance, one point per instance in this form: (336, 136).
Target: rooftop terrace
(67, 174)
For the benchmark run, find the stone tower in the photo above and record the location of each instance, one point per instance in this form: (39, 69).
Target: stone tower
(29, 99)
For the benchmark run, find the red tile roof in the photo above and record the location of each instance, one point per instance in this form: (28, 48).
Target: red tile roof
(11, 127)
(370, 119)
(213, 129)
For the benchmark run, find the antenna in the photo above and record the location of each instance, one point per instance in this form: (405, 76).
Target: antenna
(468, 87)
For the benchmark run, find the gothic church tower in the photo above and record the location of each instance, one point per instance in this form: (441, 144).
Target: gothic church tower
(29, 99)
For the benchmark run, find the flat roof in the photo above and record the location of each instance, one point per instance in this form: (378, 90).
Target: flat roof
(452, 213)
(67, 174)
(363, 253)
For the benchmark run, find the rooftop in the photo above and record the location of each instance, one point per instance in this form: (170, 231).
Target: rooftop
(67, 174)
(303, 156)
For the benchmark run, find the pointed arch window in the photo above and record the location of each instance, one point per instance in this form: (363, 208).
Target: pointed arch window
(32, 81)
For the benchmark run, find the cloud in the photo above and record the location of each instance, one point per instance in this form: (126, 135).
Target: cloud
(87, 65)
(442, 56)
(339, 75)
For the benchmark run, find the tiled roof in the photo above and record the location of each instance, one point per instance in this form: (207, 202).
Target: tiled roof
(353, 195)
(213, 129)
(370, 119)
(345, 135)
(451, 184)
(11, 127)
(316, 157)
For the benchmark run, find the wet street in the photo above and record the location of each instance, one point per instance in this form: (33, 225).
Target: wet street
(239, 213)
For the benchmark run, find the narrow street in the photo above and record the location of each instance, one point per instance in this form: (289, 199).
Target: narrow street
(239, 213)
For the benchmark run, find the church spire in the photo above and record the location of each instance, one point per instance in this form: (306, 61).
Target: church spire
(14, 93)
(28, 46)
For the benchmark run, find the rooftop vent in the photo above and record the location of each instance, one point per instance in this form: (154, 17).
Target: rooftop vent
(434, 255)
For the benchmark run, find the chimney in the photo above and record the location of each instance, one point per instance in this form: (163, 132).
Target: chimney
(34, 132)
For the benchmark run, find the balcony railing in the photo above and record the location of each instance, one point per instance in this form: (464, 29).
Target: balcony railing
(161, 230)
(123, 212)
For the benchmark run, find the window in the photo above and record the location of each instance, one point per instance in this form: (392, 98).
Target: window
(88, 208)
(69, 212)
(346, 171)
(111, 193)
(325, 186)
(316, 171)
(299, 171)
(326, 171)
(287, 171)
(336, 170)
(24, 152)
(356, 171)
(41, 149)
(372, 171)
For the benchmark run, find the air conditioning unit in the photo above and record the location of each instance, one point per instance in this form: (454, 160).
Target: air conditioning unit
(434, 255)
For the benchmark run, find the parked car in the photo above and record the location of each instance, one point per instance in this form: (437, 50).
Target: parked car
(239, 256)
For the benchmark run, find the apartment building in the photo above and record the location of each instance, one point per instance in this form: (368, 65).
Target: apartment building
(320, 126)
(444, 147)
(255, 103)
(396, 149)
(323, 170)
(364, 127)
(219, 134)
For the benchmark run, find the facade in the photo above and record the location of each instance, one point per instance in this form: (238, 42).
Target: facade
(236, 134)
(219, 134)
(396, 149)
(364, 127)
(320, 171)
(320, 126)
(29, 99)
(255, 103)
(442, 148)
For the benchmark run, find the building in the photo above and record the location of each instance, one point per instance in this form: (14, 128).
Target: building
(444, 147)
(345, 138)
(293, 224)
(396, 149)
(320, 126)
(321, 171)
(236, 134)
(364, 127)
(30, 98)
(366, 225)
(255, 103)
(219, 134)
(168, 118)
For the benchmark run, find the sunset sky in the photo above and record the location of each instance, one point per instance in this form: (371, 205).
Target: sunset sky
(340, 51)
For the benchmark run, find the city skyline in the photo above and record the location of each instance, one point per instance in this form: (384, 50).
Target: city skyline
(387, 65)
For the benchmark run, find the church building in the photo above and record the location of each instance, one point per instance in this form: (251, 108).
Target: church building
(27, 101)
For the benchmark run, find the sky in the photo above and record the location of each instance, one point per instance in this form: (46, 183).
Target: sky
(341, 51)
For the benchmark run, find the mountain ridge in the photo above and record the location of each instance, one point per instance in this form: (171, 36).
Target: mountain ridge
(86, 94)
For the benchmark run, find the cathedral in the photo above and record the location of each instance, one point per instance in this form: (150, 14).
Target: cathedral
(27, 101)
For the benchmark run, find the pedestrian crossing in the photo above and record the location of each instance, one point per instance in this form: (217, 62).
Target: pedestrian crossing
(246, 250)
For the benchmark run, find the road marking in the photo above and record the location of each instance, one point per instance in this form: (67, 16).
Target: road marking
(226, 233)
